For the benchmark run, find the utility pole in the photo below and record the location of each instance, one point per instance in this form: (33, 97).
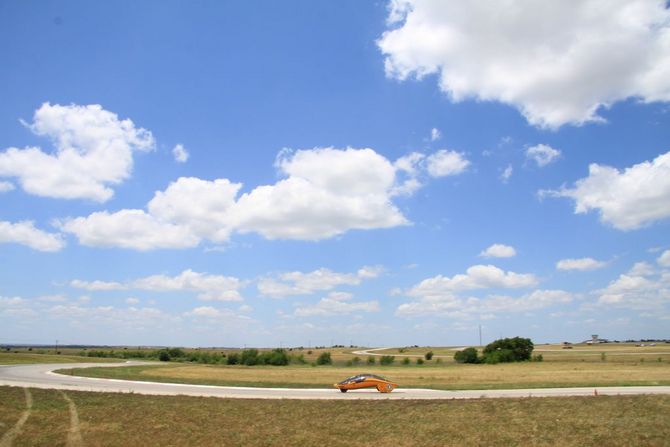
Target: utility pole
(56, 350)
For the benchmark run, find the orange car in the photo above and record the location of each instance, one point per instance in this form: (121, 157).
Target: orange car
(366, 381)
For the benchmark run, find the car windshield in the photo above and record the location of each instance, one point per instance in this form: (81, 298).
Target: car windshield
(361, 378)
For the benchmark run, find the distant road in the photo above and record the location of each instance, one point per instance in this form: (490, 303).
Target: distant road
(41, 376)
(372, 352)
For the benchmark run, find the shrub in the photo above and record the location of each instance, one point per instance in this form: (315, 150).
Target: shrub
(405, 361)
(233, 358)
(371, 360)
(249, 357)
(419, 361)
(175, 353)
(350, 363)
(429, 355)
(386, 360)
(467, 355)
(324, 359)
(356, 360)
(500, 356)
(515, 349)
(538, 358)
(276, 357)
(163, 356)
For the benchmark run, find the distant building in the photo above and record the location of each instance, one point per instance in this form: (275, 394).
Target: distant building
(595, 340)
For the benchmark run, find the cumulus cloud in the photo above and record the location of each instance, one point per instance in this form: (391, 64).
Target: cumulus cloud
(180, 153)
(507, 174)
(6, 186)
(583, 264)
(664, 259)
(444, 163)
(498, 251)
(134, 229)
(476, 277)
(640, 288)
(628, 199)
(435, 134)
(208, 287)
(336, 303)
(96, 285)
(453, 306)
(211, 312)
(324, 193)
(542, 154)
(25, 233)
(93, 151)
(299, 283)
(557, 63)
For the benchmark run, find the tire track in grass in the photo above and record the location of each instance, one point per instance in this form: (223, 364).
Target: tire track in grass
(8, 438)
(74, 438)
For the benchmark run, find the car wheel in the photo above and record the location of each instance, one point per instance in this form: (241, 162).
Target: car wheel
(343, 390)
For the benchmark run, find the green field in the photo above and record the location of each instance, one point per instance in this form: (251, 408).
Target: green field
(127, 419)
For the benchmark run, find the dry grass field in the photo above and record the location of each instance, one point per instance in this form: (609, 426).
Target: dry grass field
(605, 365)
(11, 358)
(126, 419)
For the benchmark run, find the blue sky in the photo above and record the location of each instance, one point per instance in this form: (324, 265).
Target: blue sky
(308, 173)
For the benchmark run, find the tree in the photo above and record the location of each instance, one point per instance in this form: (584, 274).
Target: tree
(429, 355)
(163, 356)
(467, 355)
(324, 359)
(515, 349)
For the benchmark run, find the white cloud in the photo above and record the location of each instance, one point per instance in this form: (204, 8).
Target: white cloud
(246, 308)
(96, 285)
(325, 192)
(498, 251)
(557, 63)
(444, 162)
(583, 264)
(94, 150)
(336, 303)
(133, 229)
(204, 208)
(180, 153)
(25, 233)
(6, 186)
(299, 283)
(132, 301)
(453, 306)
(476, 277)
(435, 134)
(208, 287)
(640, 288)
(628, 199)
(542, 154)
(211, 312)
(664, 259)
(642, 269)
(507, 174)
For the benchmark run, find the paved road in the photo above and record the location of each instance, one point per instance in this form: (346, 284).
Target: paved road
(41, 376)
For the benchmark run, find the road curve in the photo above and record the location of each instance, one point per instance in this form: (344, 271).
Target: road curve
(42, 376)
